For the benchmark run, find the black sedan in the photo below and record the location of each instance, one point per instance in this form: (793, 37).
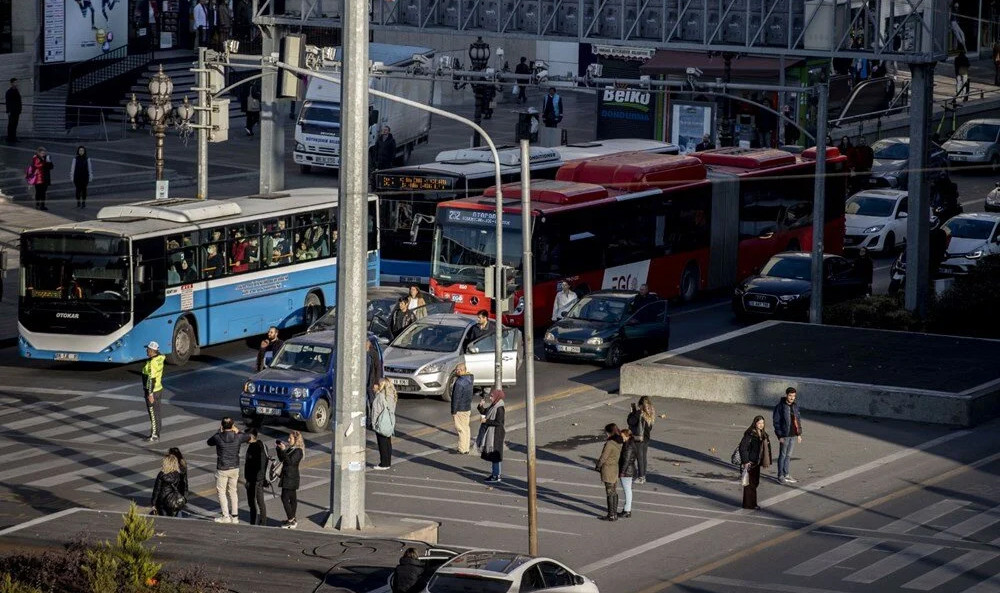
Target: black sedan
(783, 287)
(609, 326)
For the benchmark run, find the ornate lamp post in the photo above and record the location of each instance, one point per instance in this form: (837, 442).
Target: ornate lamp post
(479, 58)
(161, 113)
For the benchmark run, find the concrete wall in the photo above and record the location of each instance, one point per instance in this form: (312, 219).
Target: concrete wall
(21, 64)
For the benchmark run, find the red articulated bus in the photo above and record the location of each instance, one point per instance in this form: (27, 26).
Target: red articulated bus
(680, 224)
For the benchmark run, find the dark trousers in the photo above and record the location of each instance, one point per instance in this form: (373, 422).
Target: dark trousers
(522, 93)
(40, 190)
(290, 500)
(81, 193)
(750, 491)
(641, 449)
(204, 34)
(12, 119)
(611, 490)
(154, 415)
(384, 450)
(253, 118)
(255, 498)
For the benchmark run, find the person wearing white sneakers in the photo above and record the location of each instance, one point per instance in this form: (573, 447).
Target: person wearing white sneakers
(227, 468)
(788, 428)
(290, 454)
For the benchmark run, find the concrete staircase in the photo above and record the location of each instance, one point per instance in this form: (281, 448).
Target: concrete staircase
(50, 113)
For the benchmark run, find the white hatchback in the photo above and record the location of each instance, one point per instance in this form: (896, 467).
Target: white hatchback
(876, 220)
(491, 571)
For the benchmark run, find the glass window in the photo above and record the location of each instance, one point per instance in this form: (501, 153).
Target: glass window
(531, 580)
(870, 206)
(555, 575)
(463, 583)
(72, 267)
(434, 338)
(797, 268)
(276, 242)
(651, 313)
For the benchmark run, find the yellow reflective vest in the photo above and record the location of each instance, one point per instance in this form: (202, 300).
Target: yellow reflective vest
(152, 374)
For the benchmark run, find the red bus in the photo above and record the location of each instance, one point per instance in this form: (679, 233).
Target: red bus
(680, 224)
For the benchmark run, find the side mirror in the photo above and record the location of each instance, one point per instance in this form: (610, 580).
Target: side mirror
(563, 314)
(902, 214)
(140, 274)
(473, 349)
(766, 235)
(579, 580)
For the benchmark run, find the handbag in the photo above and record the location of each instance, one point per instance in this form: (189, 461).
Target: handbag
(745, 477)
(174, 501)
(735, 459)
(515, 90)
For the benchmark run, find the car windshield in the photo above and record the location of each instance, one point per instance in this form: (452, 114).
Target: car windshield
(303, 357)
(797, 268)
(467, 583)
(431, 337)
(870, 206)
(606, 310)
(977, 132)
(969, 228)
(462, 252)
(891, 150)
(321, 114)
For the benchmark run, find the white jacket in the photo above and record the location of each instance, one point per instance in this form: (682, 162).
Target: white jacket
(564, 302)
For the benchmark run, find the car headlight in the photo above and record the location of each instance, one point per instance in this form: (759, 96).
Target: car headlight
(787, 298)
(430, 369)
(974, 254)
(992, 197)
(739, 290)
(550, 337)
(249, 387)
(979, 152)
(300, 147)
(873, 229)
(595, 341)
(519, 309)
(300, 393)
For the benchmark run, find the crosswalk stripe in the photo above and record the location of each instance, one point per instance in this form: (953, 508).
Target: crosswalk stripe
(44, 466)
(129, 430)
(90, 471)
(990, 585)
(87, 424)
(50, 417)
(831, 558)
(973, 524)
(943, 574)
(893, 563)
(19, 455)
(167, 438)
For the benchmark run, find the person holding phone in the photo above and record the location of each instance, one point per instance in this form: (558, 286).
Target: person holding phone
(290, 454)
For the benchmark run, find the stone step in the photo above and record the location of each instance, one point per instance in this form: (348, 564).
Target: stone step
(129, 182)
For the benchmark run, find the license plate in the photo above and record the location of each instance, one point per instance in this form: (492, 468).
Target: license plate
(562, 348)
(263, 411)
(456, 298)
(400, 382)
(872, 181)
(67, 356)
(328, 160)
(759, 304)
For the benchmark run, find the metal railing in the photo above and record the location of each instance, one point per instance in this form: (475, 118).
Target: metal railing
(58, 121)
(97, 70)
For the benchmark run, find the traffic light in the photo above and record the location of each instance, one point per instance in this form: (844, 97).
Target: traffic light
(293, 53)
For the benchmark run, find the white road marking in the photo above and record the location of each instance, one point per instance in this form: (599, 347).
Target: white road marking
(990, 585)
(95, 470)
(741, 584)
(50, 417)
(39, 521)
(474, 522)
(103, 422)
(893, 563)
(130, 430)
(977, 522)
(649, 546)
(957, 566)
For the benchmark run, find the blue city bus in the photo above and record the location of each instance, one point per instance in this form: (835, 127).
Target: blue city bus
(182, 272)
(408, 196)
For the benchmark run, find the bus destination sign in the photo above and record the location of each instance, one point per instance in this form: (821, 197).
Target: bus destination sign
(413, 183)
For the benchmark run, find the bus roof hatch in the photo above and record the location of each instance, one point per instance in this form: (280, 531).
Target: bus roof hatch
(634, 171)
(510, 156)
(173, 210)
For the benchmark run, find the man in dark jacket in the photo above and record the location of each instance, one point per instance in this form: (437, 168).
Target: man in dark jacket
(483, 327)
(227, 468)
(643, 298)
(385, 149)
(522, 85)
(401, 317)
(461, 406)
(408, 576)
(788, 429)
(254, 472)
(12, 99)
(269, 345)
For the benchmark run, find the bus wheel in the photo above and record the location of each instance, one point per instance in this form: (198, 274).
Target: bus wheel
(305, 169)
(689, 283)
(182, 344)
(320, 419)
(312, 309)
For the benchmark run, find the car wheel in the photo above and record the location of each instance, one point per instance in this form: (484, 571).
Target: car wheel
(320, 419)
(615, 356)
(446, 396)
(689, 283)
(182, 344)
(305, 169)
(889, 247)
(312, 309)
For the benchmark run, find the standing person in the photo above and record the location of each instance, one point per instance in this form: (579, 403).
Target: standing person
(385, 149)
(253, 110)
(627, 467)
(643, 298)
(169, 489)
(12, 100)
(374, 375)
(227, 468)
(755, 453)
(408, 574)
(522, 85)
(565, 299)
(962, 65)
(552, 109)
(39, 175)
(401, 317)
(788, 428)
(461, 406)
(201, 25)
(792, 133)
(384, 421)
(224, 18)
(152, 386)
(290, 454)
(640, 422)
(269, 345)
(415, 297)
(483, 327)
(81, 173)
(254, 472)
(607, 465)
(490, 440)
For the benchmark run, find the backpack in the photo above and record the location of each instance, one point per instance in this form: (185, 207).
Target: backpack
(272, 470)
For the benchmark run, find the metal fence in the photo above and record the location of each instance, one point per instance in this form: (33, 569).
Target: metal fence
(58, 121)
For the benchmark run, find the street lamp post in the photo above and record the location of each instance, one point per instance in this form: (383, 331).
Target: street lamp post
(479, 57)
(161, 113)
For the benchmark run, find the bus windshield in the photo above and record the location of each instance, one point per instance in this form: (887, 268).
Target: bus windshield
(462, 252)
(75, 267)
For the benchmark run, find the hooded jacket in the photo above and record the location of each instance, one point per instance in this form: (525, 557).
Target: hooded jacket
(227, 448)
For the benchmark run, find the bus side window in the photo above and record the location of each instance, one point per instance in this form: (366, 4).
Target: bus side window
(334, 235)
(276, 242)
(215, 260)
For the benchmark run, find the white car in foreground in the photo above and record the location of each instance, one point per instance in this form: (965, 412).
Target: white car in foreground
(490, 571)
(876, 220)
(972, 236)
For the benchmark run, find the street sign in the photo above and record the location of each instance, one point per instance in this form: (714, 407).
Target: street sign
(162, 189)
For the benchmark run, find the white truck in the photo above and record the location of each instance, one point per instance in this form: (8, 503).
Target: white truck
(317, 130)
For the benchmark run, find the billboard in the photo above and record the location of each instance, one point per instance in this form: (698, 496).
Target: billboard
(625, 113)
(689, 122)
(78, 30)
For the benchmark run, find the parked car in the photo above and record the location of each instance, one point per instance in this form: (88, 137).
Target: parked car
(432, 559)
(381, 301)
(422, 359)
(992, 203)
(972, 236)
(976, 142)
(783, 288)
(607, 327)
(876, 220)
(298, 384)
(892, 163)
(490, 571)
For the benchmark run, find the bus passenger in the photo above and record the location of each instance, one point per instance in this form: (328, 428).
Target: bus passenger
(215, 266)
(239, 255)
(305, 252)
(188, 273)
(173, 277)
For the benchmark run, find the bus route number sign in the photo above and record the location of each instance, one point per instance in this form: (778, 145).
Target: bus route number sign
(412, 182)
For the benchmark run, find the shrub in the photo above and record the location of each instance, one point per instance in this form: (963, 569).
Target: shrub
(970, 306)
(8, 585)
(875, 312)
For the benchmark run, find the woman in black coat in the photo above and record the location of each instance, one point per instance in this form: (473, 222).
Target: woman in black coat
(627, 468)
(491, 432)
(169, 488)
(640, 422)
(290, 454)
(254, 472)
(755, 453)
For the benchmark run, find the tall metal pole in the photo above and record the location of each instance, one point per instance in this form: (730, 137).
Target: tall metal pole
(204, 123)
(159, 131)
(819, 204)
(529, 344)
(272, 131)
(500, 291)
(917, 291)
(347, 464)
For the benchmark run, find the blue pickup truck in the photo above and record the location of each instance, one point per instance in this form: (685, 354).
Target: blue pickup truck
(298, 384)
